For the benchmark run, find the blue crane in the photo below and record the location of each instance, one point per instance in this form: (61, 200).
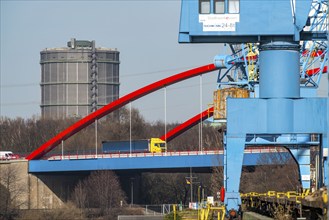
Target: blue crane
(279, 52)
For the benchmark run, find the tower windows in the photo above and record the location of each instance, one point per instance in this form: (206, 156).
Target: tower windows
(219, 6)
(233, 6)
(204, 6)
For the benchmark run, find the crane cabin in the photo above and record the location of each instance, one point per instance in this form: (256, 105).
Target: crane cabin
(242, 21)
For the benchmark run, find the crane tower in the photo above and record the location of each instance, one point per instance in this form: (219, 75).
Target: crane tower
(274, 46)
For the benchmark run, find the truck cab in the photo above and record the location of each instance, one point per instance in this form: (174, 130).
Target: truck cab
(157, 145)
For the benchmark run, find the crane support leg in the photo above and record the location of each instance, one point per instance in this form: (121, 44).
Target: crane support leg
(232, 170)
(278, 114)
(325, 148)
(303, 159)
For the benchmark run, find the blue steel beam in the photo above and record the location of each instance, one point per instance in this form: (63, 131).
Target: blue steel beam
(145, 163)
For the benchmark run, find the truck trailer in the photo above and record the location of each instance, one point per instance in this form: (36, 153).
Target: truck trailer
(153, 145)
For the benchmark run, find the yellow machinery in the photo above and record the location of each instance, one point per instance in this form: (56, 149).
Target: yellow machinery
(292, 195)
(220, 97)
(206, 213)
(251, 61)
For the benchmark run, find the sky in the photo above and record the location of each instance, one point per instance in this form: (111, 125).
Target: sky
(145, 33)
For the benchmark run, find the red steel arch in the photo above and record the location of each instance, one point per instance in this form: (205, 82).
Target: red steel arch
(187, 125)
(89, 119)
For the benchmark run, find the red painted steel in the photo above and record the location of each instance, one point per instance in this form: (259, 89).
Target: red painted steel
(89, 119)
(222, 194)
(315, 71)
(188, 124)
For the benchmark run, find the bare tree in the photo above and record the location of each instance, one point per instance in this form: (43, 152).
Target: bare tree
(172, 188)
(25, 135)
(217, 180)
(11, 192)
(80, 195)
(164, 188)
(100, 190)
(279, 174)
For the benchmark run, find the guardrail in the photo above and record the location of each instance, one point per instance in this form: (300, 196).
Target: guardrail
(132, 155)
(79, 156)
(265, 150)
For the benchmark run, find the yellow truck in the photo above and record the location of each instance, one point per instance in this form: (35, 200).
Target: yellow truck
(153, 145)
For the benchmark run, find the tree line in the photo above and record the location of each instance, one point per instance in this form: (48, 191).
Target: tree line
(102, 190)
(25, 135)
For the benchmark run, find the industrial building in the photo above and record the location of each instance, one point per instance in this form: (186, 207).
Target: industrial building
(78, 79)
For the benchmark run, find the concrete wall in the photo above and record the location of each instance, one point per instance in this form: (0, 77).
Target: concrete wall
(35, 191)
(41, 196)
(14, 179)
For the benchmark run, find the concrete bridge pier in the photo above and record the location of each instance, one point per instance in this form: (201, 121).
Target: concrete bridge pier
(41, 191)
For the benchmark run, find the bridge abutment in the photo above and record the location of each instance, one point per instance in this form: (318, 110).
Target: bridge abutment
(30, 191)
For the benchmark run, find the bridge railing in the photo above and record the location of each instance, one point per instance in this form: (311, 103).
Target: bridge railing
(89, 155)
(273, 149)
(130, 155)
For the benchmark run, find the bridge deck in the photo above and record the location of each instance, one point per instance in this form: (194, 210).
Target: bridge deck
(141, 161)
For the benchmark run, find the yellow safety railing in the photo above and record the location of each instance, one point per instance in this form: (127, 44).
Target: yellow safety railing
(279, 195)
(206, 212)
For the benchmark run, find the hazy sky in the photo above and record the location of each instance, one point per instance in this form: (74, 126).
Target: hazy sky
(145, 33)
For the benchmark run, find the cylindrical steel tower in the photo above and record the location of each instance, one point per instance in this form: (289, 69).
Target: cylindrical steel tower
(78, 79)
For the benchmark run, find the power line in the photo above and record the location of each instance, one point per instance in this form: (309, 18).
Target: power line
(18, 85)
(153, 72)
(19, 103)
(121, 76)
